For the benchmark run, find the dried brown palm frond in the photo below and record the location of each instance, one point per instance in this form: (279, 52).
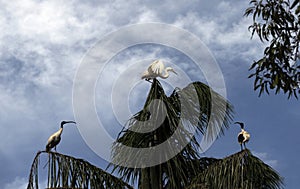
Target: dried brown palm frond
(68, 172)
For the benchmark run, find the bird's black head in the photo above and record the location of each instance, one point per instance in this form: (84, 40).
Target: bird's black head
(64, 122)
(241, 124)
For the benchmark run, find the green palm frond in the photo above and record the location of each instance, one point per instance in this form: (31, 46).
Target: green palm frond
(206, 109)
(241, 170)
(195, 107)
(180, 171)
(69, 172)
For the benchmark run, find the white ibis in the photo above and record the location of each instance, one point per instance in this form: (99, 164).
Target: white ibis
(243, 136)
(157, 69)
(54, 139)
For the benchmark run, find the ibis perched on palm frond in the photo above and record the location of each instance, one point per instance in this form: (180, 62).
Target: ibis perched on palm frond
(157, 69)
(243, 136)
(55, 138)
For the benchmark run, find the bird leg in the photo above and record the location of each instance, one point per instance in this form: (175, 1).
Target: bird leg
(245, 145)
(241, 146)
(148, 79)
(55, 148)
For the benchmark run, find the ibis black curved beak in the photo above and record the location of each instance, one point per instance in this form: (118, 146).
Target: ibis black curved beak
(64, 122)
(240, 123)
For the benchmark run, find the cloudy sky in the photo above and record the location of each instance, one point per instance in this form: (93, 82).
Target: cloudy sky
(43, 43)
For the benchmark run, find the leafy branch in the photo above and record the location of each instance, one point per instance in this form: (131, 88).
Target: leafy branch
(277, 23)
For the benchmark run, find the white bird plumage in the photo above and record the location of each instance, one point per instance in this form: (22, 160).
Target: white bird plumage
(157, 69)
(55, 138)
(243, 136)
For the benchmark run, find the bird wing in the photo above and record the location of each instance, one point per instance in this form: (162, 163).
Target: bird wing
(241, 137)
(156, 67)
(246, 136)
(50, 139)
(145, 74)
(53, 136)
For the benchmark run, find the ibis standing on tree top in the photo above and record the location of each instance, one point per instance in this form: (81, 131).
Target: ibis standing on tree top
(243, 136)
(157, 69)
(55, 138)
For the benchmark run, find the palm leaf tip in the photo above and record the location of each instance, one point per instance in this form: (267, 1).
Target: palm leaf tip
(205, 108)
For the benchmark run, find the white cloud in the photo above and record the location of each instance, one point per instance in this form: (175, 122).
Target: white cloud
(57, 22)
(266, 159)
(18, 183)
(225, 32)
(146, 16)
(13, 103)
(53, 36)
(50, 37)
(21, 183)
(205, 29)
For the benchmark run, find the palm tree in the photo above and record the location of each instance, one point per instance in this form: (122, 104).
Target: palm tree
(207, 112)
(178, 171)
(190, 112)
